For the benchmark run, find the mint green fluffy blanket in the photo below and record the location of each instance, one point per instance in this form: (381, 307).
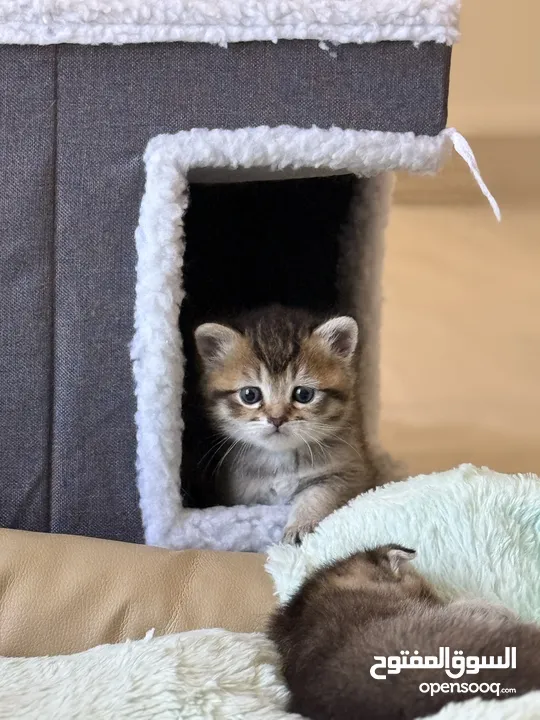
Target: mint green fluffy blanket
(476, 533)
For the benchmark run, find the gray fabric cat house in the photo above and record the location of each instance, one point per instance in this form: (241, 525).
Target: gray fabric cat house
(246, 145)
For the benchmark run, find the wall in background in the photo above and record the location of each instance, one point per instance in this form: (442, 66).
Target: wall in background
(495, 103)
(495, 80)
(460, 370)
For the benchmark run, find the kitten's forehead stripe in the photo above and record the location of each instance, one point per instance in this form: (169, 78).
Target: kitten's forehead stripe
(276, 336)
(276, 347)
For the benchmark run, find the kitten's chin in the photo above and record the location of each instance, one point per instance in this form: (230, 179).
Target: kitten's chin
(274, 441)
(278, 442)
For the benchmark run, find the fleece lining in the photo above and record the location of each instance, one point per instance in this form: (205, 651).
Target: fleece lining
(44, 22)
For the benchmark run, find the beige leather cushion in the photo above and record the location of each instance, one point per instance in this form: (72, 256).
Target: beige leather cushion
(62, 594)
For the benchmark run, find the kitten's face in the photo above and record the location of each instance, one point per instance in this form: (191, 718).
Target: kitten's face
(280, 383)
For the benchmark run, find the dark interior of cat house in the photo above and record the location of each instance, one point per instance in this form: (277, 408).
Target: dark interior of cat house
(249, 244)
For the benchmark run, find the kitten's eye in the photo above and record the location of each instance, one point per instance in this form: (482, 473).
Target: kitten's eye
(250, 395)
(303, 394)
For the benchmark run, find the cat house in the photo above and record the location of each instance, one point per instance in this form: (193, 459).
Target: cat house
(162, 161)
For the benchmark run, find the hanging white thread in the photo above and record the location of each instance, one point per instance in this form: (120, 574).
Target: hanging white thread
(462, 147)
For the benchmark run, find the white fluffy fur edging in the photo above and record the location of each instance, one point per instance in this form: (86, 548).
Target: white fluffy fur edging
(156, 349)
(363, 152)
(44, 22)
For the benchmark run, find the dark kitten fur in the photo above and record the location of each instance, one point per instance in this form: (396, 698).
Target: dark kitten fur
(279, 386)
(375, 604)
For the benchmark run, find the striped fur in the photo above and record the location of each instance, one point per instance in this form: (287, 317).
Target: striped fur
(278, 449)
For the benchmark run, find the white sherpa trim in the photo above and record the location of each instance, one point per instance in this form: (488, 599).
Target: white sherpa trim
(44, 22)
(202, 674)
(156, 349)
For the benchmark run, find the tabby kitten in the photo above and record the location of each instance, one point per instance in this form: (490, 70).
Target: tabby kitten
(279, 385)
(373, 605)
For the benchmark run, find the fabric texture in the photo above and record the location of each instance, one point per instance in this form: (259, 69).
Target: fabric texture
(75, 124)
(61, 594)
(476, 532)
(224, 21)
(391, 86)
(27, 149)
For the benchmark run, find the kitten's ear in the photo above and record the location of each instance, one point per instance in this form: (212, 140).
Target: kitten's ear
(214, 341)
(398, 556)
(340, 334)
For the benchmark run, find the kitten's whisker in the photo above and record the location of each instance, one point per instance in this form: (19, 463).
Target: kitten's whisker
(209, 462)
(213, 446)
(331, 430)
(298, 434)
(324, 450)
(243, 452)
(214, 449)
(328, 426)
(224, 457)
(337, 437)
(216, 453)
(312, 438)
(310, 451)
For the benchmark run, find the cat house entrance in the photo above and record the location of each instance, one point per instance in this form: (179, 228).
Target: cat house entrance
(250, 244)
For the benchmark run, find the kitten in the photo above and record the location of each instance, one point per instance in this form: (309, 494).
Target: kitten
(279, 385)
(375, 604)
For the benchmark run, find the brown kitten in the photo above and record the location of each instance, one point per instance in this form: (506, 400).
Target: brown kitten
(374, 604)
(280, 388)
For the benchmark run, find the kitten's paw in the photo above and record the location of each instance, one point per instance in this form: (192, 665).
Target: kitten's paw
(294, 534)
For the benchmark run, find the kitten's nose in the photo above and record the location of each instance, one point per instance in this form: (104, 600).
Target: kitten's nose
(276, 421)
